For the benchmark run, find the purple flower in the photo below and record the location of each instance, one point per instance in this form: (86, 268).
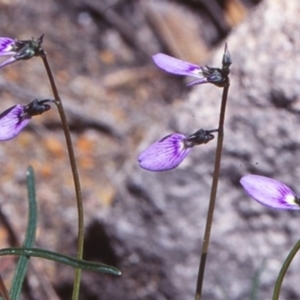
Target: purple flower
(203, 74)
(19, 49)
(170, 151)
(179, 67)
(270, 192)
(7, 46)
(15, 118)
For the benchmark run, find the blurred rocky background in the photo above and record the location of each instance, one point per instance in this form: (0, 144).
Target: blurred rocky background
(150, 225)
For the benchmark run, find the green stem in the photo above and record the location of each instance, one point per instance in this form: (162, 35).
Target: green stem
(73, 164)
(213, 194)
(284, 269)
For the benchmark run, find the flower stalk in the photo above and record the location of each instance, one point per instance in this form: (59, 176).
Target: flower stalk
(283, 270)
(73, 164)
(216, 174)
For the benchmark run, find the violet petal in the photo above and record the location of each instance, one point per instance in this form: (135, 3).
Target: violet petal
(6, 46)
(177, 66)
(8, 62)
(165, 154)
(11, 122)
(198, 81)
(270, 192)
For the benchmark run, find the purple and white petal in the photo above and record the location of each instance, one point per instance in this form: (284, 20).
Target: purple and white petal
(7, 46)
(165, 154)
(198, 81)
(177, 66)
(12, 122)
(8, 62)
(270, 192)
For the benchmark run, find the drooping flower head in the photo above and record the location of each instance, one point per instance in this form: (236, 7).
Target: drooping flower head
(15, 118)
(203, 74)
(19, 49)
(170, 151)
(270, 192)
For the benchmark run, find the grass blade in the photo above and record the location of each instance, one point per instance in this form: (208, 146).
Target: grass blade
(61, 258)
(23, 261)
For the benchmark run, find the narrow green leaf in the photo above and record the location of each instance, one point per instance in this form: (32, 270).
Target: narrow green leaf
(29, 241)
(61, 258)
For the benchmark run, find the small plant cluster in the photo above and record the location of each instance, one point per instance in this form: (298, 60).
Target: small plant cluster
(168, 152)
(165, 154)
(12, 121)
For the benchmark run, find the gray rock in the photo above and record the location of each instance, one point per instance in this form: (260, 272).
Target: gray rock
(158, 220)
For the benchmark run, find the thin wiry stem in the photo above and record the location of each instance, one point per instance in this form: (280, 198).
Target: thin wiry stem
(213, 194)
(73, 164)
(283, 270)
(3, 290)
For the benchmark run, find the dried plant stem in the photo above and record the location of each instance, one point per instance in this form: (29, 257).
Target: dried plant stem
(3, 290)
(213, 194)
(74, 172)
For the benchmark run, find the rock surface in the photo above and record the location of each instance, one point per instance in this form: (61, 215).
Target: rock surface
(262, 115)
